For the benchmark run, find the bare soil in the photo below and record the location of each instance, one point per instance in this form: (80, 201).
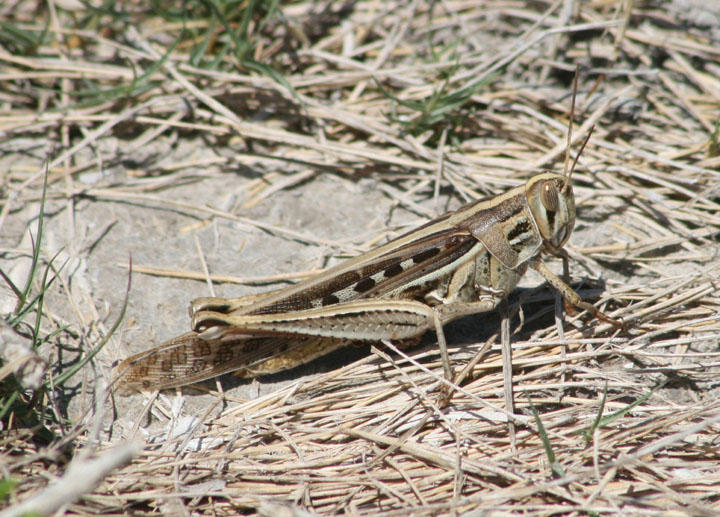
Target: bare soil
(225, 181)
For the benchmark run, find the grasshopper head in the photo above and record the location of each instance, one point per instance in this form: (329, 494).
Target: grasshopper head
(552, 204)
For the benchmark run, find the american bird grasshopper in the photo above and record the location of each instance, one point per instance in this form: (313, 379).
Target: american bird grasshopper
(464, 262)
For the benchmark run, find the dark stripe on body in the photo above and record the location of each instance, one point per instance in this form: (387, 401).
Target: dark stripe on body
(372, 280)
(520, 228)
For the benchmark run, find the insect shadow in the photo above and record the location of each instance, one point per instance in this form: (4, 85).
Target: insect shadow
(536, 304)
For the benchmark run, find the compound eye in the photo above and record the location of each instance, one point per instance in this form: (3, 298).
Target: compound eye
(550, 197)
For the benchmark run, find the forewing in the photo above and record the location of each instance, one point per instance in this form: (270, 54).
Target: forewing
(189, 358)
(371, 274)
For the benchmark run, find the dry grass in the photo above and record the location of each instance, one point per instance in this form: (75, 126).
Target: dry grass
(423, 104)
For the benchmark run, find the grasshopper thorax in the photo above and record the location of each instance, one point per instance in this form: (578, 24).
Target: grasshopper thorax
(552, 204)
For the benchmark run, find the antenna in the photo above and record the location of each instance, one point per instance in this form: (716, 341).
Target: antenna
(577, 157)
(568, 175)
(570, 124)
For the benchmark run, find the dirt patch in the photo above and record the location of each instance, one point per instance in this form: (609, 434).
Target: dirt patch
(345, 127)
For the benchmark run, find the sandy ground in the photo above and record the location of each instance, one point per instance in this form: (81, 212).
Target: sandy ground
(194, 202)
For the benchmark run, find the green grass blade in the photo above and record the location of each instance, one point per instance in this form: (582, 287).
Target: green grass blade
(549, 453)
(63, 377)
(36, 246)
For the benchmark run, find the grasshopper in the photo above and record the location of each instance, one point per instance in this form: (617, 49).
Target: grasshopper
(464, 262)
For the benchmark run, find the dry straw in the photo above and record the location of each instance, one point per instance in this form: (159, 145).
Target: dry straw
(425, 103)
